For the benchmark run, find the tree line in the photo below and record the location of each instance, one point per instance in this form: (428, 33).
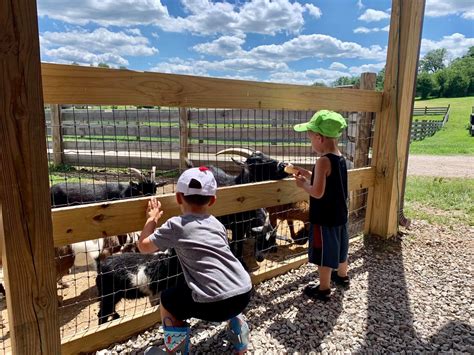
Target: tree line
(437, 77)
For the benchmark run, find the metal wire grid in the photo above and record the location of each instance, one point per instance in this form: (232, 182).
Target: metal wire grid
(103, 143)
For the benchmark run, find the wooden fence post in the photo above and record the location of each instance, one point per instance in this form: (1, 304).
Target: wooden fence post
(25, 223)
(362, 143)
(56, 134)
(393, 126)
(183, 137)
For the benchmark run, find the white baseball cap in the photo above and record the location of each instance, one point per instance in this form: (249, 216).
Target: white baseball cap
(203, 175)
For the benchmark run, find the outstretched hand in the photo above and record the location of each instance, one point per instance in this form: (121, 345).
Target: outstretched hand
(300, 180)
(153, 209)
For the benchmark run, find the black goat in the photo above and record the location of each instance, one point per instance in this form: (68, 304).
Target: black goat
(257, 167)
(133, 276)
(73, 193)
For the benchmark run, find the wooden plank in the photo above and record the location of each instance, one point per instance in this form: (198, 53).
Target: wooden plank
(56, 134)
(75, 224)
(25, 217)
(87, 85)
(393, 127)
(96, 338)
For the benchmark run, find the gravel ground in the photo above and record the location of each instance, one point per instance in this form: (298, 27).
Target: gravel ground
(411, 294)
(441, 166)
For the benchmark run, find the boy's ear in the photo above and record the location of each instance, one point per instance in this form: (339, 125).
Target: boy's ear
(179, 198)
(212, 201)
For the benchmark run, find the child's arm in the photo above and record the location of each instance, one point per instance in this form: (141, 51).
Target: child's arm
(322, 170)
(303, 172)
(145, 245)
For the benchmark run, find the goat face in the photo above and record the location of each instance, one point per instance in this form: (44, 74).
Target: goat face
(257, 166)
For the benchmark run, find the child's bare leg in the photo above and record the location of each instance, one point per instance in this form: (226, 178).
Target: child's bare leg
(342, 269)
(167, 315)
(324, 277)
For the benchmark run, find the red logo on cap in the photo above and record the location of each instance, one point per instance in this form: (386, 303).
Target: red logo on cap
(203, 168)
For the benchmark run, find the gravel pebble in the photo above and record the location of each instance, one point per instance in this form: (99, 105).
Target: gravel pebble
(410, 294)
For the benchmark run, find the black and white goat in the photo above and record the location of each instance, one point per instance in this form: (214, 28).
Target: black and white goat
(133, 276)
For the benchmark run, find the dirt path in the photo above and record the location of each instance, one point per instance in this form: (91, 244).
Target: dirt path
(441, 166)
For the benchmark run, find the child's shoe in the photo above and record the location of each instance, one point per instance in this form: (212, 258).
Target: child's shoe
(339, 280)
(238, 332)
(313, 291)
(176, 341)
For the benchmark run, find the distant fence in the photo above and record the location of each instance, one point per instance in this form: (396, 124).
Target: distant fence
(426, 128)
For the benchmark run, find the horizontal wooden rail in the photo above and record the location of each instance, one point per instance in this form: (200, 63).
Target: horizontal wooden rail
(79, 223)
(71, 84)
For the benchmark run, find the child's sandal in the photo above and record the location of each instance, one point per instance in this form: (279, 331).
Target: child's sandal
(313, 291)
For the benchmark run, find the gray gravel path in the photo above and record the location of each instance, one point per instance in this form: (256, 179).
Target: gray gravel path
(412, 294)
(441, 166)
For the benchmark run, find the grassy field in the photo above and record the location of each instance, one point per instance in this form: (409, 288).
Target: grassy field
(454, 138)
(440, 200)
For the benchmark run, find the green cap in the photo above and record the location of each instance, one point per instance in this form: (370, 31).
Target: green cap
(327, 123)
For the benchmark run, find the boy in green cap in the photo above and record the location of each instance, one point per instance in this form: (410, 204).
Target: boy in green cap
(327, 186)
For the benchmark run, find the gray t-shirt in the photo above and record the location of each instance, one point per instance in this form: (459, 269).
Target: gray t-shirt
(211, 271)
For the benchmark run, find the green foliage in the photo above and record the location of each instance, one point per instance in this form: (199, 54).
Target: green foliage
(433, 61)
(424, 85)
(319, 84)
(457, 84)
(103, 65)
(346, 80)
(454, 138)
(380, 79)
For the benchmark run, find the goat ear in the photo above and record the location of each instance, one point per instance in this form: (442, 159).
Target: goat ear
(239, 163)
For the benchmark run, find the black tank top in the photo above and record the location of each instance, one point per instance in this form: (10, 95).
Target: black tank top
(331, 209)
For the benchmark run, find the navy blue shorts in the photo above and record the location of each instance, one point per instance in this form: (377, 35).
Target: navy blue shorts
(179, 302)
(328, 246)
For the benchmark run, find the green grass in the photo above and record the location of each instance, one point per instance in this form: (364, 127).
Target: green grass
(454, 138)
(441, 200)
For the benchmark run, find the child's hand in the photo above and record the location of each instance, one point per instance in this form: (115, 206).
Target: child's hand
(153, 210)
(300, 180)
(301, 172)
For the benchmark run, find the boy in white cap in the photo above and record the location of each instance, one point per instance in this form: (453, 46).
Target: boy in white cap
(327, 186)
(217, 287)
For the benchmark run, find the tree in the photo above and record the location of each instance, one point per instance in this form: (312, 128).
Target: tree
(317, 83)
(441, 78)
(380, 79)
(433, 61)
(470, 52)
(424, 85)
(346, 80)
(457, 84)
(103, 65)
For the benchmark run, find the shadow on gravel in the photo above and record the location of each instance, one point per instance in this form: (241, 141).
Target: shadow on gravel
(390, 321)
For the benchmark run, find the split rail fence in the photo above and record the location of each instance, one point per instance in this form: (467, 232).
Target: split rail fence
(420, 129)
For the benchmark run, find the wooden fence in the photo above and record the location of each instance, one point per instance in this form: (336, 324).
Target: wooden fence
(30, 229)
(426, 128)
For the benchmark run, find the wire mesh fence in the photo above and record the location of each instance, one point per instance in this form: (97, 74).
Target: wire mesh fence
(110, 153)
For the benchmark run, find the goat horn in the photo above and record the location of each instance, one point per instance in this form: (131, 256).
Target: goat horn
(153, 174)
(243, 152)
(239, 163)
(138, 173)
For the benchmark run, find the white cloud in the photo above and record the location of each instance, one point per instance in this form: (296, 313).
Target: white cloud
(105, 13)
(371, 15)
(369, 30)
(366, 68)
(316, 46)
(313, 10)
(337, 65)
(438, 8)
(307, 77)
(456, 44)
(100, 45)
(224, 46)
(360, 5)
(202, 16)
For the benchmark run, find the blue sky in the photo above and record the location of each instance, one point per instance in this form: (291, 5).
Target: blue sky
(286, 41)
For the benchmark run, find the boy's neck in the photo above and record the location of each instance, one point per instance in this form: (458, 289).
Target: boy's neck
(330, 147)
(187, 208)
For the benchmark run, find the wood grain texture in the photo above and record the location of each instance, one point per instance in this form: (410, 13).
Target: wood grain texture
(80, 223)
(85, 85)
(392, 129)
(26, 230)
